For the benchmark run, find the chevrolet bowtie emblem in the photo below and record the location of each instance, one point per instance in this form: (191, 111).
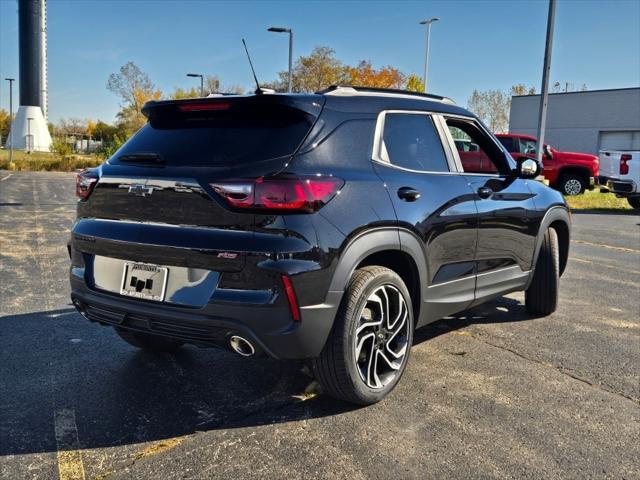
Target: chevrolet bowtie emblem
(140, 190)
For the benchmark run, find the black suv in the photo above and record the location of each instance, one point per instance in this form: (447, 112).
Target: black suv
(324, 226)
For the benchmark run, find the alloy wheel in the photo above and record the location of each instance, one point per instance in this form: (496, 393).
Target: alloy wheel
(381, 338)
(572, 187)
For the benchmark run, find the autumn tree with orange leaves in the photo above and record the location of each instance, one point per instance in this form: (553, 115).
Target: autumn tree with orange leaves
(367, 76)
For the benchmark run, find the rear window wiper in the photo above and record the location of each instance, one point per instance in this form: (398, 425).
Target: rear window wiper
(153, 158)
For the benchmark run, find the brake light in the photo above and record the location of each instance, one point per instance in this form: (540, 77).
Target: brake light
(624, 166)
(280, 194)
(85, 182)
(291, 297)
(202, 107)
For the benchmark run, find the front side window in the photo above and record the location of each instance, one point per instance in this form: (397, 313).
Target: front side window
(477, 152)
(411, 141)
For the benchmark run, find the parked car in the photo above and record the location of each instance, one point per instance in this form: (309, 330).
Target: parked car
(320, 226)
(569, 172)
(620, 174)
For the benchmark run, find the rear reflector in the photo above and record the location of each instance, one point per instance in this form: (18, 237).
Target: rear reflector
(203, 107)
(280, 194)
(624, 166)
(291, 297)
(85, 182)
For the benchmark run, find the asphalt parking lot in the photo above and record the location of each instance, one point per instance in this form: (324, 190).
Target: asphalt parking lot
(491, 393)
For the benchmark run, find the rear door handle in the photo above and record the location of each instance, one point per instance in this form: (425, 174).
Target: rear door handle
(408, 194)
(485, 192)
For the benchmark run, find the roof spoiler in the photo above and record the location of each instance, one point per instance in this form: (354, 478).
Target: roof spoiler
(306, 103)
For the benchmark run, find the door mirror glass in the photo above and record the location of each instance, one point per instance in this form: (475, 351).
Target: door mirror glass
(528, 168)
(547, 151)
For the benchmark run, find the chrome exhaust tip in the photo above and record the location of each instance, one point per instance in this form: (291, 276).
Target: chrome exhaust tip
(241, 346)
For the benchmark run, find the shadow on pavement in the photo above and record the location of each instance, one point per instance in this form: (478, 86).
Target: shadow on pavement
(55, 361)
(501, 310)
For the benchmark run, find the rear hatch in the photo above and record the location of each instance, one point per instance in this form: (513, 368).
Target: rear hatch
(162, 176)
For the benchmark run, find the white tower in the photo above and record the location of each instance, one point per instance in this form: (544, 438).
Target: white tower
(29, 129)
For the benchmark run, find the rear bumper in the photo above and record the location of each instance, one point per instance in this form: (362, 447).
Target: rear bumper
(617, 186)
(269, 327)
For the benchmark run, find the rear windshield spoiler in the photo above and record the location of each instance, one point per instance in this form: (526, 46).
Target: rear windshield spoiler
(311, 104)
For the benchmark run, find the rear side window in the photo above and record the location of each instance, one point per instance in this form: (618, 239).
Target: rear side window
(411, 141)
(241, 134)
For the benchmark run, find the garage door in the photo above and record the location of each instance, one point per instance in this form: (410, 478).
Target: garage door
(620, 140)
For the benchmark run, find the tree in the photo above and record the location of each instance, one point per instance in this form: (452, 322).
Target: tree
(366, 76)
(211, 84)
(521, 89)
(71, 127)
(414, 83)
(235, 89)
(104, 132)
(4, 126)
(315, 72)
(181, 93)
(135, 88)
(492, 107)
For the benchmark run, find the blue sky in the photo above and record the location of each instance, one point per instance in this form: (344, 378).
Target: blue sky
(477, 44)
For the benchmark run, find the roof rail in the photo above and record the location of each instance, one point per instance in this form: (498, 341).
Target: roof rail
(354, 90)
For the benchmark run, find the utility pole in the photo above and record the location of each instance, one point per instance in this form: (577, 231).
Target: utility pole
(10, 80)
(542, 119)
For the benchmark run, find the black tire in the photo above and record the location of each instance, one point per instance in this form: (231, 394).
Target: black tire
(541, 298)
(571, 185)
(337, 368)
(147, 342)
(634, 202)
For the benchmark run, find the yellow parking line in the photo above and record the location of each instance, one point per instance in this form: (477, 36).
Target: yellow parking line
(604, 265)
(70, 466)
(610, 247)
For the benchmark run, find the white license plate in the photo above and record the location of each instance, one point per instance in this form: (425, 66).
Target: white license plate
(141, 280)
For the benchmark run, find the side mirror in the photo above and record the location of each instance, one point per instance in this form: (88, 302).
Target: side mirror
(547, 152)
(528, 168)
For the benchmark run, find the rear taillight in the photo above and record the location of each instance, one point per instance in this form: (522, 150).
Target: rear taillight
(85, 181)
(280, 194)
(624, 166)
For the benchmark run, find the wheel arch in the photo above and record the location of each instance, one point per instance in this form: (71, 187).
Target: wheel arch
(387, 247)
(559, 219)
(574, 170)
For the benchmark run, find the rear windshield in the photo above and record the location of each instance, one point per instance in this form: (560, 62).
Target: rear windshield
(241, 134)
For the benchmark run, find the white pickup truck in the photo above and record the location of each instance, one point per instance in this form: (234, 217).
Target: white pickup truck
(620, 174)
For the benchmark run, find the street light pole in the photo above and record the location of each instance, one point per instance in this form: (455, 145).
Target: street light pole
(290, 32)
(201, 81)
(10, 80)
(544, 95)
(428, 23)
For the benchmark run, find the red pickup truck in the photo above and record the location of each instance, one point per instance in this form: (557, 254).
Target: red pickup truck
(569, 172)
